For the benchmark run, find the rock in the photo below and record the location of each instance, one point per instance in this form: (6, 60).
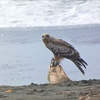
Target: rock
(56, 74)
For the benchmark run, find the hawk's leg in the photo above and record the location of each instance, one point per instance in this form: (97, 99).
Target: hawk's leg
(53, 62)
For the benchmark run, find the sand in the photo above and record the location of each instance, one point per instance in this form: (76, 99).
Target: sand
(74, 90)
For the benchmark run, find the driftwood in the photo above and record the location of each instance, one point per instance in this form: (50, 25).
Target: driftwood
(56, 74)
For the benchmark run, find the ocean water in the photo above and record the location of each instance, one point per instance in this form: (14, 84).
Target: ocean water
(33, 13)
(23, 57)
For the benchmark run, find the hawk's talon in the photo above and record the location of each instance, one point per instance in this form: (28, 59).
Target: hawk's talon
(53, 62)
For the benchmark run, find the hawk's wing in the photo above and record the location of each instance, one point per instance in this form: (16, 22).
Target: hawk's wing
(66, 50)
(62, 48)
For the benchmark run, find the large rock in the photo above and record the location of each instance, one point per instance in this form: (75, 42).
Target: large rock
(56, 74)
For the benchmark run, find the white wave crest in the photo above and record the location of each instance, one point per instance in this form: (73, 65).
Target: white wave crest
(30, 13)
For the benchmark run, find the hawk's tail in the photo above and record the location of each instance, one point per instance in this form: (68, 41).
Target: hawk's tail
(80, 62)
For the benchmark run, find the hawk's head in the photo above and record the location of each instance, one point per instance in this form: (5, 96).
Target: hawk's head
(45, 38)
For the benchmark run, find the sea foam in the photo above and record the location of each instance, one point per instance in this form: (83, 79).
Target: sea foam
(33, 13)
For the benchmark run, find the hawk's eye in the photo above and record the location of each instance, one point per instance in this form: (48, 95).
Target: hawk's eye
(42, 36)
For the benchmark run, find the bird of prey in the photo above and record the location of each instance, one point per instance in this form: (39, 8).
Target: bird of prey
(61, 49)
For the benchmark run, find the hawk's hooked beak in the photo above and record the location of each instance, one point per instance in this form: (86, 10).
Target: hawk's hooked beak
(45, 38)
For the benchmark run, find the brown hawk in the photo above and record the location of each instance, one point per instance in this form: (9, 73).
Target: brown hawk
(62, 49)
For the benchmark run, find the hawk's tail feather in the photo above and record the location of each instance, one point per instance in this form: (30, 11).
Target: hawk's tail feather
(82, 62)
(78, 64)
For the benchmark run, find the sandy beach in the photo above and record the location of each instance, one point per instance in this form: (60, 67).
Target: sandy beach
(76, 90)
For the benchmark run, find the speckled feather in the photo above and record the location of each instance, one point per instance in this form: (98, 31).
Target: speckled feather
(62, 48)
